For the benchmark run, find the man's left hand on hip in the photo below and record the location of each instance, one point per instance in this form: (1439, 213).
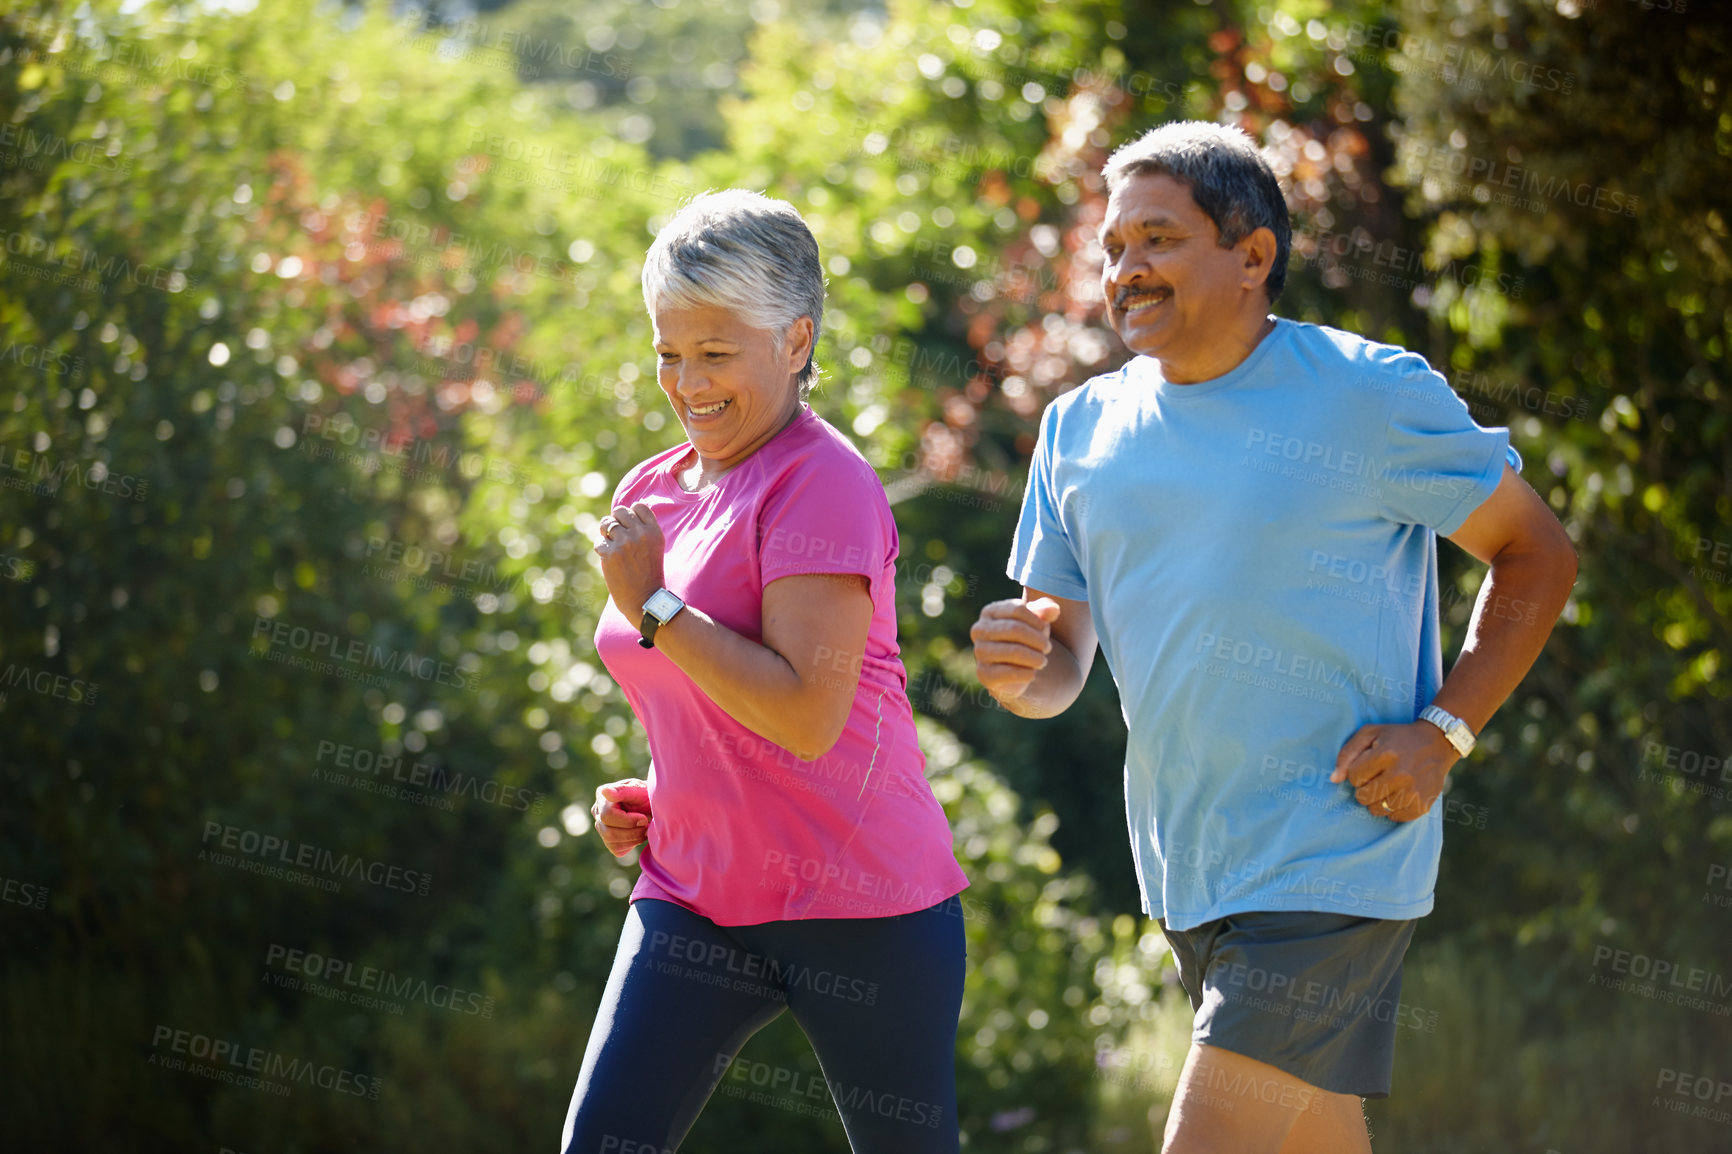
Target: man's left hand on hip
(1397, 771)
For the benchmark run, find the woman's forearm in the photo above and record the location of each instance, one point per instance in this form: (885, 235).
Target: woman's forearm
(789, 688)
(790, 699)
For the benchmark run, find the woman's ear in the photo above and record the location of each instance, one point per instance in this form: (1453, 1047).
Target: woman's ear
(798, 344)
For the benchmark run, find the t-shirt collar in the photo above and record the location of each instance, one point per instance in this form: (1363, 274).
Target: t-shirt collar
(1147, 370)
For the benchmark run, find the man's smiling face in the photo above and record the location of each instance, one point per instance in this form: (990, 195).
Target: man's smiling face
(1169, 284)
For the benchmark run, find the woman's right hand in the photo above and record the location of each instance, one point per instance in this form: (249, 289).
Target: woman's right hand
(622, 814)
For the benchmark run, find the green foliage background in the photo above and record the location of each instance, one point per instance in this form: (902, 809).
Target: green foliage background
(329, 318)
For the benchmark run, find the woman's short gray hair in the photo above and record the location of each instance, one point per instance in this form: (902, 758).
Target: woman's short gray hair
(1227, 176)
(745, 252)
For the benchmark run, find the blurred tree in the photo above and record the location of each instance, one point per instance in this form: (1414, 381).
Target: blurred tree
(649, 74)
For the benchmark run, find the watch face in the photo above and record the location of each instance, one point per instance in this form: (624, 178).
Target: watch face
(1454, 728)
(663, 604)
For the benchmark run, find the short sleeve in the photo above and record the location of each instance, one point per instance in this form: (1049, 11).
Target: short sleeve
(1041, 556)
(827, 516)
(1439, 465)
(629, 483)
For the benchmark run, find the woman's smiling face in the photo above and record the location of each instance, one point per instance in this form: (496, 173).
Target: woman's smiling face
(730, 388)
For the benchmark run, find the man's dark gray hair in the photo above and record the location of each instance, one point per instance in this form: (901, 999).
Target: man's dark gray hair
(1227, 176)
(745, 252)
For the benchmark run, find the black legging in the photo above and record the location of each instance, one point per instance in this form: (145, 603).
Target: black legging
(877, 997)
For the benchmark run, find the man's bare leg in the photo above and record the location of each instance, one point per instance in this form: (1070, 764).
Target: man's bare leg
(1227, 1103)
(1338, 1127)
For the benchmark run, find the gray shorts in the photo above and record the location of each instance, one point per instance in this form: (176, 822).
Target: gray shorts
(1313, 994)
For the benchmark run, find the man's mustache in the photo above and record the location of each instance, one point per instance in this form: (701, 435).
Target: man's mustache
(1124, 294)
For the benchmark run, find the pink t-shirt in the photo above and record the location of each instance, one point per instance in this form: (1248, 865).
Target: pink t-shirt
(743, 831)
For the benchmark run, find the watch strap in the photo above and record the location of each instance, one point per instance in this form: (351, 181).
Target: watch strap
(650, 623)
(1454, 729)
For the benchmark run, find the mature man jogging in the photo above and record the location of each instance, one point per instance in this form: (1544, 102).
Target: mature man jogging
(1244, 517)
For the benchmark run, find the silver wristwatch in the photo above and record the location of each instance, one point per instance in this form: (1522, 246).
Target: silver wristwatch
(1453, 728)
(657, 611)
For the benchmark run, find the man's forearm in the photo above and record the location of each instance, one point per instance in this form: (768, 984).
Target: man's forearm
(1518, 604)
(1055, 686)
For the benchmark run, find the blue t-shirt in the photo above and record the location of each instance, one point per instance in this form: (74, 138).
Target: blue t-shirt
(1259, 555)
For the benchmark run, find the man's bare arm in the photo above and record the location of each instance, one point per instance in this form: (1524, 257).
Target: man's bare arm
(1533, 569)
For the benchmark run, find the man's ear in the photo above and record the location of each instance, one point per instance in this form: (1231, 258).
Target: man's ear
(1258, 250)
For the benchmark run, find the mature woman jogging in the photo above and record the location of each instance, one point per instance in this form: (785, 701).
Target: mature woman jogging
(794, 856)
